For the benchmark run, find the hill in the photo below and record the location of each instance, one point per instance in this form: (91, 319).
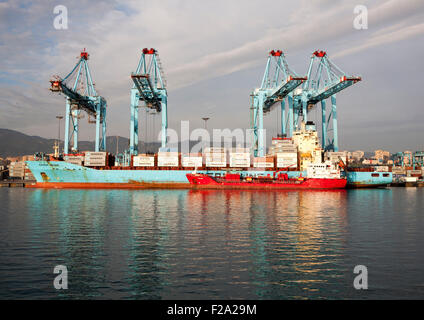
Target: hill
(14, 143)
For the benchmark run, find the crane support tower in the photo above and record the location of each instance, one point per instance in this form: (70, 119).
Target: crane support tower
(81, 95)
(150, 87)
(278, 83)
(324, 80)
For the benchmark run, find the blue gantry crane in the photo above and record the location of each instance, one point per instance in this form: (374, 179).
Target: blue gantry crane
(78, 87)
(278, 83)
(324, 80)
(149, 87)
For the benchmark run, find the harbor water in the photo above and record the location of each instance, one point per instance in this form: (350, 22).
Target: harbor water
(218, 244)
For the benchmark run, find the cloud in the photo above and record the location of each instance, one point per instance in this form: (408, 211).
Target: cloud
(382, 38)
(199, 42)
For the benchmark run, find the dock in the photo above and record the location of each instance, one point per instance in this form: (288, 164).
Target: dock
(16, 183)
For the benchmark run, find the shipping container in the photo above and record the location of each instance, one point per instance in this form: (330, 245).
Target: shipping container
(143, 161)
(192, 161)
(95, 159)
(216, 163)
(239, 162)
(168, 161)
(263, 162)
(413, 173)
(382, 168)
(398, 170)
(214, 150)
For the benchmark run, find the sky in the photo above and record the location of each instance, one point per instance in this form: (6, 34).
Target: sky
(214, 54)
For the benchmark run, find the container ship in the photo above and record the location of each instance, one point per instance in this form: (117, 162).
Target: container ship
(170, 169)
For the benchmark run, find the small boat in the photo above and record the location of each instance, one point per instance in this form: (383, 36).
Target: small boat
(319, 176)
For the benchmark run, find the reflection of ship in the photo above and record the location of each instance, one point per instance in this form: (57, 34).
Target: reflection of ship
(320, 176)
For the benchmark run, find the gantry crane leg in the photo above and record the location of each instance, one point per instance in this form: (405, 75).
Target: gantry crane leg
(334, 112)
(323, 125)
(164, 122)
(67, 120)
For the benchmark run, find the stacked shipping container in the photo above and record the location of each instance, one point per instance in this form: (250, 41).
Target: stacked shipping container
(95, 159)
(215, 157)
(240, 158)
(194, 160)
(168, 159)
(285, 151)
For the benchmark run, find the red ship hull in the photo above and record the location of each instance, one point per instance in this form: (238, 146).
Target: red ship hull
(208, 182)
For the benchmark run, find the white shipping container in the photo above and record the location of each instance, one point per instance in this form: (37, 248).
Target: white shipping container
(215, 156)
(168, 161)
(240, 155)
(74, 158)
(263, 164)
(239, 150)
(76, 162)
(16, 174)
(17, 165)
(411, 179)
(192, 161)
(214, 150)
(240, 163)
(167, 154)
(94, 154)
(95, 163)
(398, 170)
(215, 163)
(382, 168)
(89, 164)
(284, 141)
(286, 155)
(286, 164)
(286, 149)
(143, 161)
(95, 157)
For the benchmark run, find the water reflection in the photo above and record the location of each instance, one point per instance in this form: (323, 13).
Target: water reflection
(187, 244)
(287, 234)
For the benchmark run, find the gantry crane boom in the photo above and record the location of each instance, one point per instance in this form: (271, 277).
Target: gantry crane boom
(78, 87)
(327, 92)
(146, 91)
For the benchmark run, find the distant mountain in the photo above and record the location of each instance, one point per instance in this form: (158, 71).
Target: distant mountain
(14, 143)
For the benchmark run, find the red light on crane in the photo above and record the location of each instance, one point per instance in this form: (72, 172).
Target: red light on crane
(149, 51)
(84, 54)
(319, 54)
(276, 53)
(55, 85)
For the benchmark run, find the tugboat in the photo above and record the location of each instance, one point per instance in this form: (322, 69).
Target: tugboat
(319, 176)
